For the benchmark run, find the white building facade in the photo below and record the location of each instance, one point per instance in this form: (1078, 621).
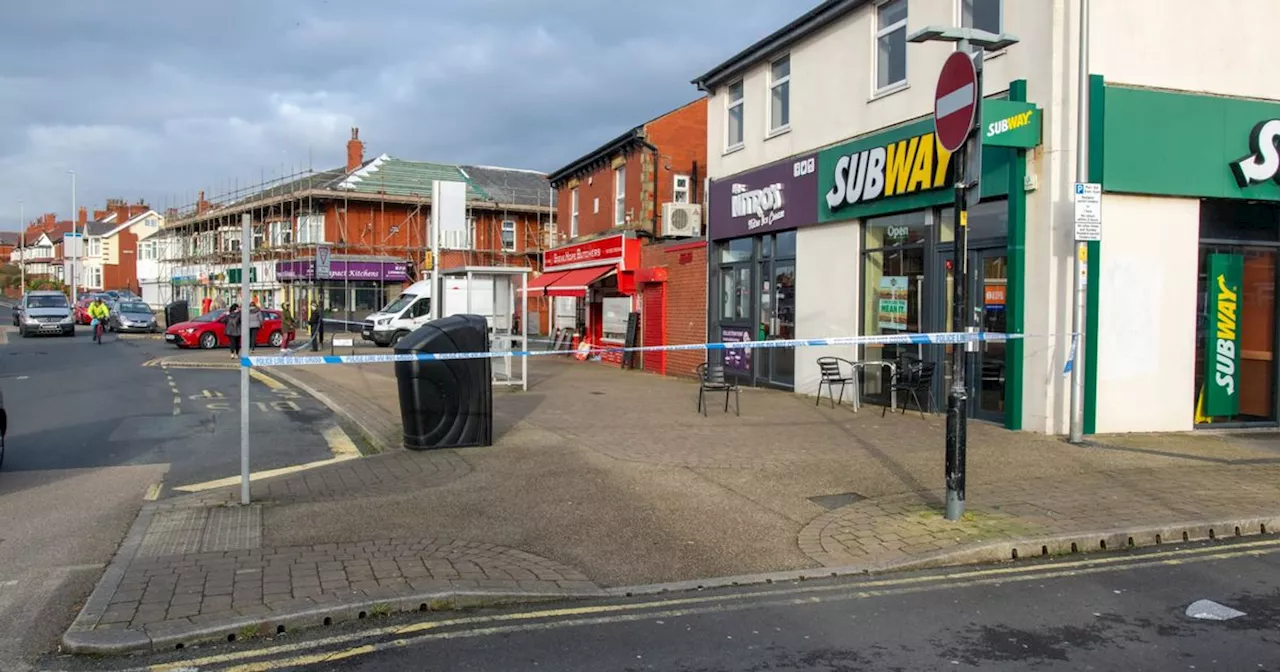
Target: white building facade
(1181, 140)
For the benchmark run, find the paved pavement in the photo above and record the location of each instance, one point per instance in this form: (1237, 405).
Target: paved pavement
(608, 482)
(92, 434)
(1103, 612)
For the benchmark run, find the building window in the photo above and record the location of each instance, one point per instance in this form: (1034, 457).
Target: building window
(508, 235)
(982, 14)
(780, 94)
(95, 247)
(573, 217)
(620, 196)
(680, 193)
(281, 234)
(310, 229)
(891, 44)
(95, 277)
(147, 250)
(733, 117)
(231, 240)
(595, 205)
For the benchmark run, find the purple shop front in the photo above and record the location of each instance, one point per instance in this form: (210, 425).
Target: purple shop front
(772, 198)
(339, 269)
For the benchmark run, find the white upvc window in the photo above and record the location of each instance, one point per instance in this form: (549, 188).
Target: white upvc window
(891, 44)
(985, 15)
(620, 196)
(95, 247)
(310, 229)
(95, 277)
(733, 116)
(230, 240)
(595, 205)
(508, 235)
(573, 216)
(147, 250)
(281, 234)
(680, 190)
(780, 94)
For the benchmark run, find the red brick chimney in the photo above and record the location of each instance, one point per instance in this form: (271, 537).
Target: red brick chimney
(355, 151)
(201, 204)
(83, 216)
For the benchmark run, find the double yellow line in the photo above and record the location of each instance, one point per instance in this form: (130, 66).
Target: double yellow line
(298, 654)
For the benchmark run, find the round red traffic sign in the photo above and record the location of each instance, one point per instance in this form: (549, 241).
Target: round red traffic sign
(955, 102)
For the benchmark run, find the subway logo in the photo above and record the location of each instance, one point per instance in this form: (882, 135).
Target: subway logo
(1002, 126)
(908, 166)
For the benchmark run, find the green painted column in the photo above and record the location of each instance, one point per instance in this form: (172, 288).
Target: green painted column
(1097, 132)
(1015, 350)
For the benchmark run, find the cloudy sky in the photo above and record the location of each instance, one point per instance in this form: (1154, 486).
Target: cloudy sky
(154, 99)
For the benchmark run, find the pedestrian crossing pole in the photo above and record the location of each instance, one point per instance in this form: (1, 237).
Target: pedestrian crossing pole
(246, 241)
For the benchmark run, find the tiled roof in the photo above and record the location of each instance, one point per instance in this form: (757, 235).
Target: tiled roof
(97, 228)
(10, 237)
(397, 177)
(510, 185)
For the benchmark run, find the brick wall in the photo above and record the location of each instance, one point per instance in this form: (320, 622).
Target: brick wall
(686, 299)
(123, 275)
(401, 230)
(681, 139)
(598, 184)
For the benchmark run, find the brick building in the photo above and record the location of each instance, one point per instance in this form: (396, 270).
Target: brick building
(372, 216)
(630, 222)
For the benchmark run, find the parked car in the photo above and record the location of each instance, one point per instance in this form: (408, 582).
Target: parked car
(82, 307)
(209, 331)
(45, 313)
(132, 316)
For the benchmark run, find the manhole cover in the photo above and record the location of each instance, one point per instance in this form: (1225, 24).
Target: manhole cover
(831, 502)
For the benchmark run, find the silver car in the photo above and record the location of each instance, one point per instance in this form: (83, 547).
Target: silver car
(45, 313)
(133, 316)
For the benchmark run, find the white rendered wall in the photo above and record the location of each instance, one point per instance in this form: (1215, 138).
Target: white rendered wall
(828, 260)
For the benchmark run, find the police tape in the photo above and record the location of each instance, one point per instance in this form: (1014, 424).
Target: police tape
(940, 338)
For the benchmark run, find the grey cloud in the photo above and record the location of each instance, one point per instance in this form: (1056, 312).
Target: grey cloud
(157, 99)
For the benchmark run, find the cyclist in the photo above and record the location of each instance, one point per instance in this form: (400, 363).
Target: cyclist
(98, 312)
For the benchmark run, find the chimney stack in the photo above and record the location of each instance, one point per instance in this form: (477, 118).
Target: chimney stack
(355, 151)
(83, 216)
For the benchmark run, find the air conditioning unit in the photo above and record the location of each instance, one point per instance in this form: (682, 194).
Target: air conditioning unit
(681, 220)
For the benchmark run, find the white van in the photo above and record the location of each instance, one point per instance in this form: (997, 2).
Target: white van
(397, 319)
(412, 309)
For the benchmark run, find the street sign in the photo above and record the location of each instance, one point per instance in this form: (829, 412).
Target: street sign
(955, 101)
(322, 262)
(1088, 207)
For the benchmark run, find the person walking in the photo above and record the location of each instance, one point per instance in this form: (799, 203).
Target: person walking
(286, 327)
(234, 328)
(316, 322)
(255, 323)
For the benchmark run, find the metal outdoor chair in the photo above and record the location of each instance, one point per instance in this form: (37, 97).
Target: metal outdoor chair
(712, 378)
(832, 375)
(914, 378)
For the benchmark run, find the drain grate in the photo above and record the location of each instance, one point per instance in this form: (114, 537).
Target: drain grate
(832, 502)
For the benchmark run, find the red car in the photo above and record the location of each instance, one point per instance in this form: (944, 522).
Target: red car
(209, 331)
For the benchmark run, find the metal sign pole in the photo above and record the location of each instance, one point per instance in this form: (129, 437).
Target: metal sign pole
(246, 241)
(1075, 432)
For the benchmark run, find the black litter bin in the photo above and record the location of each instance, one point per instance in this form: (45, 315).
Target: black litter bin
(178, 311)
(446, 403)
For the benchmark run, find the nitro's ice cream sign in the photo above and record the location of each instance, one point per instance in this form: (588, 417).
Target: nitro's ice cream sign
(762, 206)
(911, 166)
(1263, 162)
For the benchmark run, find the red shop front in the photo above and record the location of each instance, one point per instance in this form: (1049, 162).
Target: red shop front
(594, 286)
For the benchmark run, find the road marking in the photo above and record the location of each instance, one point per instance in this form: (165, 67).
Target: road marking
(267, 380)
(177, 404)
(8, 584)
(341, 445)
(153, 492)
(910, 584)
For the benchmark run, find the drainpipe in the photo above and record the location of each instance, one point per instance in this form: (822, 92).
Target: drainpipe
(657, 159)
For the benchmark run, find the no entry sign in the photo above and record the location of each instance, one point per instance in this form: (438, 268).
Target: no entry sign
(955, 102)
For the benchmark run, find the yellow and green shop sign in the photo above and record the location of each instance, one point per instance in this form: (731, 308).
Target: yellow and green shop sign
(906, 169)
(1222, 336)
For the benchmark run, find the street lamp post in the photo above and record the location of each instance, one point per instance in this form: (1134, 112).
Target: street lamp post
(968, 190)
(22, 260)
(75, 259)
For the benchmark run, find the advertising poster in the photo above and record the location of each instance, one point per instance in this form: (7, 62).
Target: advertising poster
(993, 295)
(736, 359)
(1222, 335)
(892, 302)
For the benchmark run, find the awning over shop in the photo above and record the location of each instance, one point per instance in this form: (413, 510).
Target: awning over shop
(569, 283)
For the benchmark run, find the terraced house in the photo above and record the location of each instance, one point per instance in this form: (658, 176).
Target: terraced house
(371, 215)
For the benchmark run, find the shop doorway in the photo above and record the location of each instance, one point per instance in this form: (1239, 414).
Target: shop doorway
(777, 366)
(985, 370)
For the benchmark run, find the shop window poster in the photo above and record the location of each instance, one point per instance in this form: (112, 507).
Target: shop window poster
(737, 359)
(892, 302)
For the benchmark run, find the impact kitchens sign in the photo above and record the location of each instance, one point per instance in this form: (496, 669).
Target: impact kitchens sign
(1222, 336)
(906, 169)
